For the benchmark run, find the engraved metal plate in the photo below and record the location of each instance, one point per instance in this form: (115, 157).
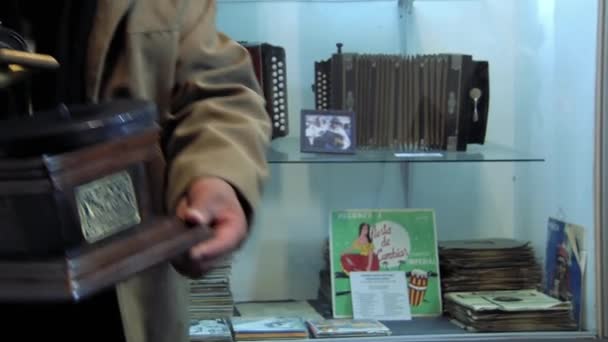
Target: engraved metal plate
(106, 206)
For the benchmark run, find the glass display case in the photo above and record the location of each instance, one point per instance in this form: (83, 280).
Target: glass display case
(537, 161)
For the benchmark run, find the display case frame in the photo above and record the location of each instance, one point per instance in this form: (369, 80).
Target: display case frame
(283, 156)
(601, 170)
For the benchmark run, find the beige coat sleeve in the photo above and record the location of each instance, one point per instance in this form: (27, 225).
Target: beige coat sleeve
(218, 125)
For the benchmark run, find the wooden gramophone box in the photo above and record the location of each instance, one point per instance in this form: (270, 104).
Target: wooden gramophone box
(81, 201)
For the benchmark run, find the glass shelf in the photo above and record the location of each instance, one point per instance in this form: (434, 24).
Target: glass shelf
(441, 329)
(287, 151)
(309, 1)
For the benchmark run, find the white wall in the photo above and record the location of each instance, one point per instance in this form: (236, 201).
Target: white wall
(471, 199)
(284, 254)
(309, 31)
(542, 62)
(556, 47)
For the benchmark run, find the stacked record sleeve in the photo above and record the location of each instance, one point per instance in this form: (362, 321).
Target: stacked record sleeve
(210, 296)
(488, 265)
(210, 330)
(346, 327)
(269, 328)
(508, 311)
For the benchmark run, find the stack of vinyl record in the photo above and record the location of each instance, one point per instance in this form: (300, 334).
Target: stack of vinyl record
(508, 311)
(488, 265)
(343, 327)
(210, 296)
(210, 330)
(269, 328)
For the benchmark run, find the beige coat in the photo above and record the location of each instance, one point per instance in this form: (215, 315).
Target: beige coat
(210, 106)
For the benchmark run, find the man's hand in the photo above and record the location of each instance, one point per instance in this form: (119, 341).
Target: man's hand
(211, 201)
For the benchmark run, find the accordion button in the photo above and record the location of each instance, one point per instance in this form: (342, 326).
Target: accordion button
(281, 100)
(280, 71)
(280, 64)
(275, 89)
(274, 59)
(281, 85)
(282, 128)
(281, 78)
(282, 107)
(276, 124)
(282, 121)
(276, 117)
(281, 94)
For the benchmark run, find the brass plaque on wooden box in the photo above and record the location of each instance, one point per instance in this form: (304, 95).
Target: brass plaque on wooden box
(81, 201)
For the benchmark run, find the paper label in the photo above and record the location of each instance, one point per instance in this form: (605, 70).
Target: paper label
(380, 296)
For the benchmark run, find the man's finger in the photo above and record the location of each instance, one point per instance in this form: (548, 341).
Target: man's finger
(191, 215)
(227, 237)
(186, 266)
(197, 216)
(207, 265)
(182, 207)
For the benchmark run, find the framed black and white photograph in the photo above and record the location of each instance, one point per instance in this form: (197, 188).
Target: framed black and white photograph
(327, 131)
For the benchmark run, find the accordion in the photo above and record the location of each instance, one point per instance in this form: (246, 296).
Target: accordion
(270, 70)
(425, 102)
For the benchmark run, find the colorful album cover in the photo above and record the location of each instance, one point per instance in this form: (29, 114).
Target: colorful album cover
(386, 240)
(201, 330)
(268, 325)
(564, 264)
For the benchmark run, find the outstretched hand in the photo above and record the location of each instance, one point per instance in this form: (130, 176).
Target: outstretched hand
(213, 202)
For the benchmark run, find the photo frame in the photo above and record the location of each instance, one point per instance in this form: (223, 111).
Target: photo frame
(327, 131)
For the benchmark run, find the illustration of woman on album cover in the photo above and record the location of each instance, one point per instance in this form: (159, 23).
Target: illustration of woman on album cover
(561, 283)
(360, 256)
